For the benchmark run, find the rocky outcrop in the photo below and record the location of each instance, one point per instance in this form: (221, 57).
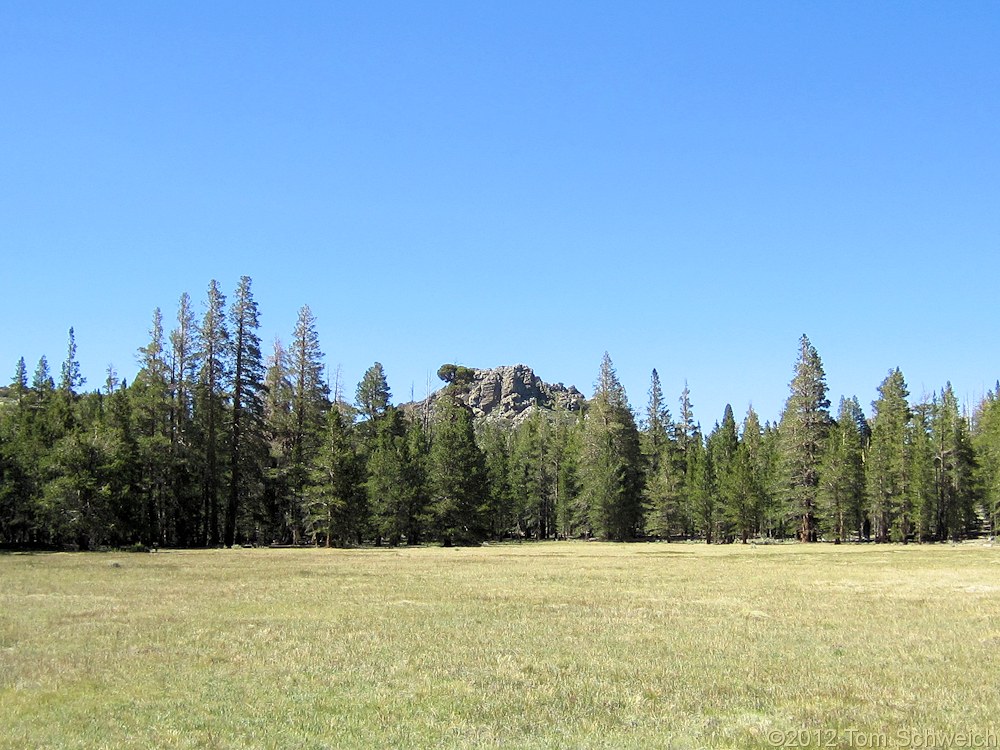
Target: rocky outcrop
(509, 394)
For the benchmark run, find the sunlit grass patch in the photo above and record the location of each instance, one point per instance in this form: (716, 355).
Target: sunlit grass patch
(545, 645)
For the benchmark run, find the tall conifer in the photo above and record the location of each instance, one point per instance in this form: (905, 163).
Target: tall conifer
(612, 478)
(246, 426)
(213, 349)
(842, 479)
(803, 430)
(886, 471)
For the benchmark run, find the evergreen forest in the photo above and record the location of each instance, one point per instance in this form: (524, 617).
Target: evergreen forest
(218, 443)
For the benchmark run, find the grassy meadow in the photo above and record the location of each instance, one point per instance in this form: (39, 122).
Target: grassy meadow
(538, 645)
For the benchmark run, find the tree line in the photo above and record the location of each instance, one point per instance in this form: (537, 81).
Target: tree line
(213, 443)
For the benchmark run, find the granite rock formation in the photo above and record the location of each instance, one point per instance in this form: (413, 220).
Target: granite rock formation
(509, 394)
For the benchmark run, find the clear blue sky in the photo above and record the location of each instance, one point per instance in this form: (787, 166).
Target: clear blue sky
(689, 186)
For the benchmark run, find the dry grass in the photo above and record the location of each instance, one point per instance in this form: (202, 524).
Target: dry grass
(546, 645)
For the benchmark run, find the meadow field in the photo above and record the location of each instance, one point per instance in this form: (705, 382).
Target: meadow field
(548, 645)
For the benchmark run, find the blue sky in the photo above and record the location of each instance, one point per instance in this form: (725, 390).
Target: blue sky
(689, 186)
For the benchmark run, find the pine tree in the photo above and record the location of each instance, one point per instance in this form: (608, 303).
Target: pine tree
(747, 481)
(19, 384)
(842, 480)
(419, 454)
(656, 429)
(40, 427)
(309, 402)
(804, 425)
(953, 463)
(662, 493)
(688, 440)
(152, 409)
(773, 521)
(183, 368)
(41, 381)
(183, 379)
(533, 477)
(283, 502)
(612, 476)
(70, 378)
(18, 460)
(395, 480)
(987, 446)
(246, 427)
(213, 345)
(570, 517)
(128, 478)
(458, 473)
(719, 500)
(886, 470)
(372, 397)
(686, 427)
(697, 485)
(336, 503)
(494, 441)
(920, 463)
(661, 490)
(75, 501)
(111, 380)
(61, 411)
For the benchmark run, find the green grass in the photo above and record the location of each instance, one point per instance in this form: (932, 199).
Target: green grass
(537, 645)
